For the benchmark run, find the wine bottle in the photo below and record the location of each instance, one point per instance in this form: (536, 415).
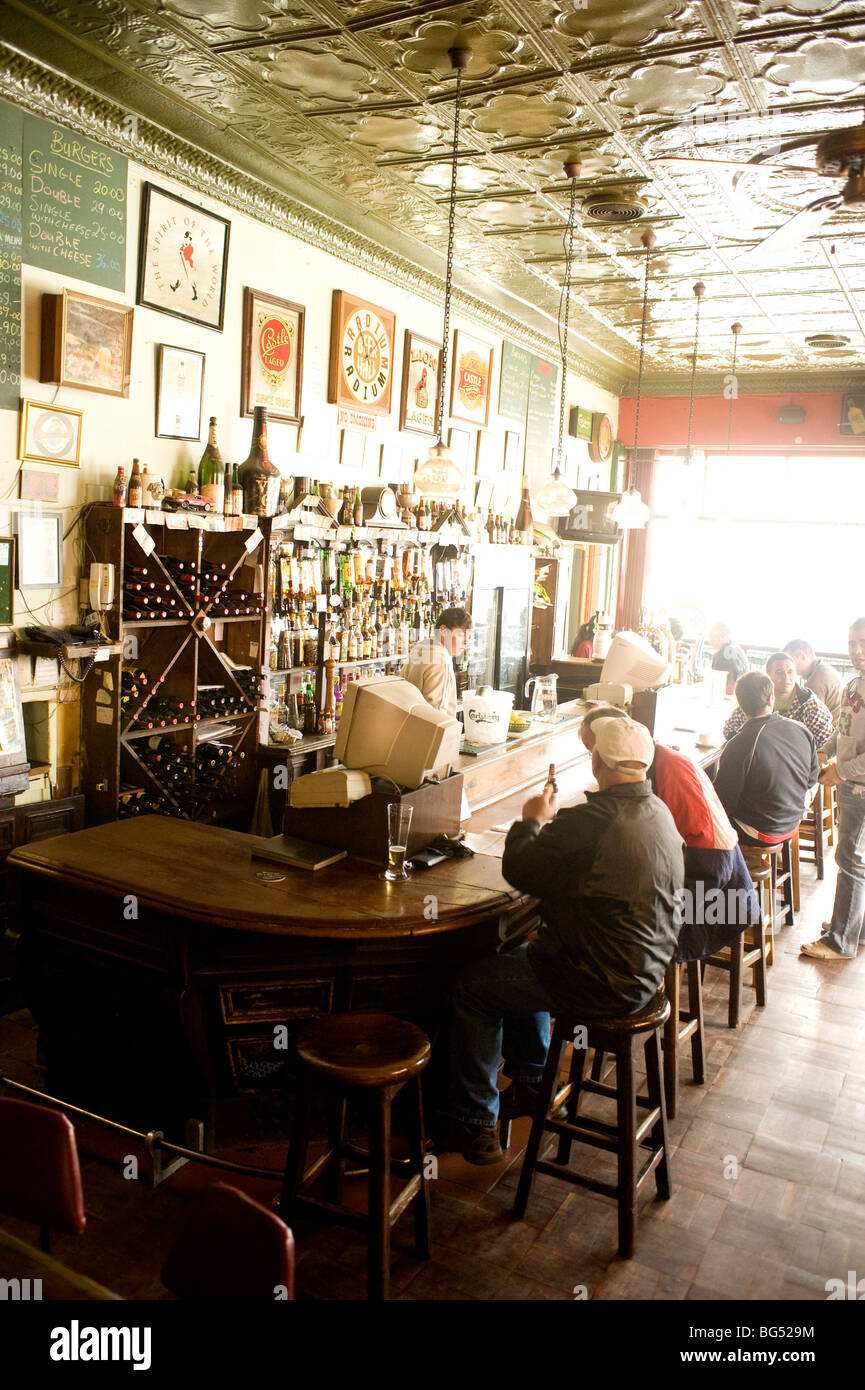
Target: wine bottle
(524, 518)
(134, 494)
(211, 471)
(257, 475)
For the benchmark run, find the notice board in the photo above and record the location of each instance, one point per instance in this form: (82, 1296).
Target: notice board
(74, 205)
(528, 395)
(11, 125)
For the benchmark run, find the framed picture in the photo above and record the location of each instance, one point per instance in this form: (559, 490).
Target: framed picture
(362, 339)
(182, 258)
(421, 384)
(459, 443)
(470, 379)
(179, 392)
(483, 494)
(272, 360)
(488, 455)
(86, 342)
(389, 463)
(852, 414)
(513, 451)
(7, 580)
(40, 539)
(50, 434)
(351, 449)
(38, 487)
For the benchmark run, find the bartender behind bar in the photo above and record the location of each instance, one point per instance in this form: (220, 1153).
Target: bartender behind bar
(430, 664)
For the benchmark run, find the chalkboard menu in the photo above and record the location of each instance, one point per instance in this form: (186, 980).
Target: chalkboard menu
(541, 414)
(11, 122)
(514, 381)
(74, 205)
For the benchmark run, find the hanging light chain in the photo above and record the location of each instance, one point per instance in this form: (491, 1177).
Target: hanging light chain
(699, 291)
(563, 327)
(648, 240)
(736, 329)
(459, 58)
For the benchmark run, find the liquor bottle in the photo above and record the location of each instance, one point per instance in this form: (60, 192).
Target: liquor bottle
(257, 475)
(134, 493)
(211, 471)
(120, 489)
(346, 511)
(358, 508)
(524, 518)
(192, 484)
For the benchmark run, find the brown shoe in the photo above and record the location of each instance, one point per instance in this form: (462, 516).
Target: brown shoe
(522, 1098)
(475, 1143)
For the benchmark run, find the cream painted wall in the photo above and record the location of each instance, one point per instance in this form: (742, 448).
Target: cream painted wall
(115, 430)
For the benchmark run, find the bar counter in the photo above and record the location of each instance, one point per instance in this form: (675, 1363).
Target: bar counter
(164, 965)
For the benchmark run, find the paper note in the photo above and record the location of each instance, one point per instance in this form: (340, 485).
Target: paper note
(144, 538)
(490, 842)
(254, 541)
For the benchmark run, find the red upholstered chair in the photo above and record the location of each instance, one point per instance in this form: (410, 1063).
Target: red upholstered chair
(40, 1180)
(231, 1249)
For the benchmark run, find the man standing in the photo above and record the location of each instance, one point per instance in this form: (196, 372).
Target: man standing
(765, 770)
(817, 676)
(791, 700)
(430, 663)
(728, 656)
(842, 935)
(609, 874)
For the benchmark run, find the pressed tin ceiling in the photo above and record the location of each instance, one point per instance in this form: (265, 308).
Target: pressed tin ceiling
(347, 106)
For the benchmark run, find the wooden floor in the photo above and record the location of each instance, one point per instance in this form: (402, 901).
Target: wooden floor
(768, 1162)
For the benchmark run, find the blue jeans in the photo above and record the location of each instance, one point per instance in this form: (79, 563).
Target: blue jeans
(845, 928)
(499, 1008)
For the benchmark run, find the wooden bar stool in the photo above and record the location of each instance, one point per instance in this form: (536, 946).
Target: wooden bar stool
(368, 1056)
(818, 827)
(628, 1140)
(753, 949)
(784, 877)
(682, 1025)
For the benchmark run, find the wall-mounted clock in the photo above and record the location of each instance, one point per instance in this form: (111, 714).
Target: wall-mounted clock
(362, 337)
(601, 442)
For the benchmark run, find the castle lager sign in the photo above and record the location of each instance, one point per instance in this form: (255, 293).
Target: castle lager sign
(470, 382)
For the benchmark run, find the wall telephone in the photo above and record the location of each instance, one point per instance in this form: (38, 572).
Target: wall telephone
(101, 588)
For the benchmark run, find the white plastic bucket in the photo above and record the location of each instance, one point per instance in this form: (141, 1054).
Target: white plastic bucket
(486, 717)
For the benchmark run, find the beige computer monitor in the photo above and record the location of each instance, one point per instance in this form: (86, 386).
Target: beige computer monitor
(387, 729)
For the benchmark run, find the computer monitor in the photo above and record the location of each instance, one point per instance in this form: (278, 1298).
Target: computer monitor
(632, 661)
(387, 729)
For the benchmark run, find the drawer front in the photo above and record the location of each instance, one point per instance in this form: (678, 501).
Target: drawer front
(276, 1003)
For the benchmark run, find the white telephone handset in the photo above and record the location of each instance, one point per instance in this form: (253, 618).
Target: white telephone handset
(101, 587)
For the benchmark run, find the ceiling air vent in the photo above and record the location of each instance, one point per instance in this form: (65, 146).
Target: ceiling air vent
(826, 340)
(613, 206)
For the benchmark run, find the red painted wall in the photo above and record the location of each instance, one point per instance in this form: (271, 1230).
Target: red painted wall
(664, 422)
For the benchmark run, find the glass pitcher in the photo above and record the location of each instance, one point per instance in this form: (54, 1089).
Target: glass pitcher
(544, 698)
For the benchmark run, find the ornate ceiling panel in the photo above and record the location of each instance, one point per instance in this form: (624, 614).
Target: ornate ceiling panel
(347, 106)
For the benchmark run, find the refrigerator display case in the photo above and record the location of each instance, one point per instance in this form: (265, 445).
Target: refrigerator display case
(501, 607)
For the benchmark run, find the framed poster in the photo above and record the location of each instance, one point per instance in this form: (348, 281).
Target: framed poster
(50, 434)
(389, 463)
(38, 487)
(179, 392)
(488, 455)
(421, 384)
(40, 539)
(459, 443)
(361, 354)
(513, 451)
(272, 359)
(182, 258)
(470, 379)
(86, 342)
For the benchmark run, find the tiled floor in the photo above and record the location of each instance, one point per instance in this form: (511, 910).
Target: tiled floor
(768, 1162)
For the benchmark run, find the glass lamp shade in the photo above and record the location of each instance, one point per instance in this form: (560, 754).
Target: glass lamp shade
(631, 514)
(439, 475)
(555, 497)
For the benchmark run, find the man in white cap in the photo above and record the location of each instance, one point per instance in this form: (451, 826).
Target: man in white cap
(609, 874)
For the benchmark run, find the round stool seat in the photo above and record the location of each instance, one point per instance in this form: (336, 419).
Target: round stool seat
(363, 1050)
(654, 1014)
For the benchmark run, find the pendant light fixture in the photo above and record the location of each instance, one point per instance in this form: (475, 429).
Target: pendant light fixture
(631, 514)
(735, 329)
(439, 475)
(695, 455)
(556, 498)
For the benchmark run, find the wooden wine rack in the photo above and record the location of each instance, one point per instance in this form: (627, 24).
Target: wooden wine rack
(180, 655)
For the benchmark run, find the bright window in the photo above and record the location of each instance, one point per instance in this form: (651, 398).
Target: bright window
(773, 546)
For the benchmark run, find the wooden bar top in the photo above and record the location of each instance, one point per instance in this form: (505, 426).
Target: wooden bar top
(208, 874)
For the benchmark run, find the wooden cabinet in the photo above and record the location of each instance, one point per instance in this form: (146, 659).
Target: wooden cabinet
(172, 724)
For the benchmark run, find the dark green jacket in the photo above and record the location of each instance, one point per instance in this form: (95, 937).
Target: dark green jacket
(606, 873)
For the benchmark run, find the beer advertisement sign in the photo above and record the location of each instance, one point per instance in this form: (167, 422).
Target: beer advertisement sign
(421, 384)
(470, 379)
(272, 356)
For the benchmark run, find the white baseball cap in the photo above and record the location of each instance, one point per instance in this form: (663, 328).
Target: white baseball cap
(624, 745)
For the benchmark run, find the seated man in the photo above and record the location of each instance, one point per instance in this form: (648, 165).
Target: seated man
(720, 900)
(766, 770)
(728, 656)
(817, 676)
(791, 700)
(607, 873)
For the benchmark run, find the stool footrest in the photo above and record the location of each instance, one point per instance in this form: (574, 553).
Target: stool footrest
(358, 1220)
(605, 1189)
